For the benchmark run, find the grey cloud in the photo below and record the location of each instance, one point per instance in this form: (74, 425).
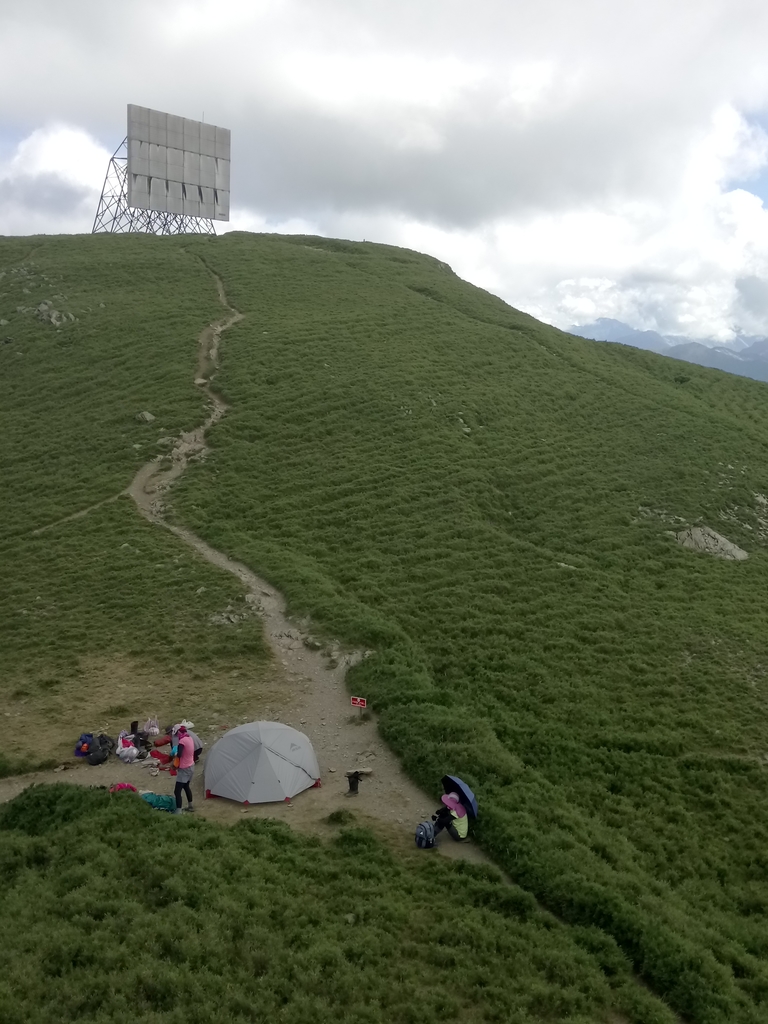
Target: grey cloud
(41, 193)
(751, 305)
(483, 168)
(753, 295)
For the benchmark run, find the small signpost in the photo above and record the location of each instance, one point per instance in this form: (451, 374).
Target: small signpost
(359, 702)
(356, 774)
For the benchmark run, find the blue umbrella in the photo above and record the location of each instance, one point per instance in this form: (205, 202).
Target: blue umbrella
(453, 785)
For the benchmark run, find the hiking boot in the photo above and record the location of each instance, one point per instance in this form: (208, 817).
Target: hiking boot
(177, 810)
(190, 809)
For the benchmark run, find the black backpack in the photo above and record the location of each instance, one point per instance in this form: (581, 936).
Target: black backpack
(425, 835)
(99, 749)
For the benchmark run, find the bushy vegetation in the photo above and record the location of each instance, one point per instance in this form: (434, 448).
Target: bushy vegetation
(488, 503)
(108, 908)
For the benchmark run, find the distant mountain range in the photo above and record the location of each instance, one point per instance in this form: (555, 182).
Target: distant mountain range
(746, 356)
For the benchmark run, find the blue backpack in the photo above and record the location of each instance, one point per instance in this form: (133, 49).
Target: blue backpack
(425, 835)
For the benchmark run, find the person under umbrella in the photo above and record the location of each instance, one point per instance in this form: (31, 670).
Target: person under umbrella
(452, 817)
(453, 784)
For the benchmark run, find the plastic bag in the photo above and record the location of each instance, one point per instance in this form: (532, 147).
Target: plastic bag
(151, 727)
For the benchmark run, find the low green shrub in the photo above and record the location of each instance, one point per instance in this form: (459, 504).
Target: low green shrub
(106, 904)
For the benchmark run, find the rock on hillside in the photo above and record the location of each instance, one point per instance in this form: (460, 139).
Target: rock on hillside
(701, 538)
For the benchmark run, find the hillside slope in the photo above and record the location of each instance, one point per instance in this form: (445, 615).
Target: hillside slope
(487, 503)
(484, 502)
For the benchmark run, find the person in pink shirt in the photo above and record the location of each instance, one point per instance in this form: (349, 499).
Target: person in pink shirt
(185, 751)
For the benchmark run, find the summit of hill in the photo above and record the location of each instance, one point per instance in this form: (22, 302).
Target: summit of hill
(497, 512)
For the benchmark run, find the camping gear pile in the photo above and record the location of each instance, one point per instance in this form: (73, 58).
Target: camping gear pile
(456, 796)
(144, 746)
(134, 744)
(95, 749)
(259, 763)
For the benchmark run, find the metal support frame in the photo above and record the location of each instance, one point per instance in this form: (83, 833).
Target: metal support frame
(115, 216)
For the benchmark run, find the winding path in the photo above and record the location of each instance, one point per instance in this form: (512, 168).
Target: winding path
(316, 676)
(156, 477)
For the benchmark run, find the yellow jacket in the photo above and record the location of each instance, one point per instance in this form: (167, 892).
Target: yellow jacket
(460, 824)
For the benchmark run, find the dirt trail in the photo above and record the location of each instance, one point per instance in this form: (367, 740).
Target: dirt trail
(157, 476)
(316, 677)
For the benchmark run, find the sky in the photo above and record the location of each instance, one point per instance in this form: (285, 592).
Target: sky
(580, 159)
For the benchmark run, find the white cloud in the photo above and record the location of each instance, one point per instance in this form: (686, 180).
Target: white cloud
(63, 150)
(51, 182)
(350, 83)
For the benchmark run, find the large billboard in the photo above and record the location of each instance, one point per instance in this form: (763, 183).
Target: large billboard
(176, 165)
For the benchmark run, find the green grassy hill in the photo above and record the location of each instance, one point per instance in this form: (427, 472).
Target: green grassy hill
(485, 502)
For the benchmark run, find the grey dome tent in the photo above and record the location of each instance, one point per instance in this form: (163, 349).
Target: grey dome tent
(259, 763)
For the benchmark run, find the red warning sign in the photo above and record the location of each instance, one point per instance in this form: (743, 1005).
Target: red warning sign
(359, 702)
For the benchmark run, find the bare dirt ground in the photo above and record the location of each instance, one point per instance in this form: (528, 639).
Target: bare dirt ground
(107, 693)
(305, 687)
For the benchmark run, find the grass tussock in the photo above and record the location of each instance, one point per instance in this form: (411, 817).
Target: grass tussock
(340, 817)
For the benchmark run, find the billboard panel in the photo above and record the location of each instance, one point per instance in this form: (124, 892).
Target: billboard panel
(177, 165)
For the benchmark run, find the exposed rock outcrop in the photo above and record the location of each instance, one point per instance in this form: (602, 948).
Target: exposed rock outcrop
(701, 538)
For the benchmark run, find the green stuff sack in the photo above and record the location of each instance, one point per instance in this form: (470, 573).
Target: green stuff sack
(160, 803)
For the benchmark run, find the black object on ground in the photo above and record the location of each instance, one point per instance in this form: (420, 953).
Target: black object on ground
(425, 835)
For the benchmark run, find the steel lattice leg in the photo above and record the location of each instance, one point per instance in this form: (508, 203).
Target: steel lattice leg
(115, 216)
